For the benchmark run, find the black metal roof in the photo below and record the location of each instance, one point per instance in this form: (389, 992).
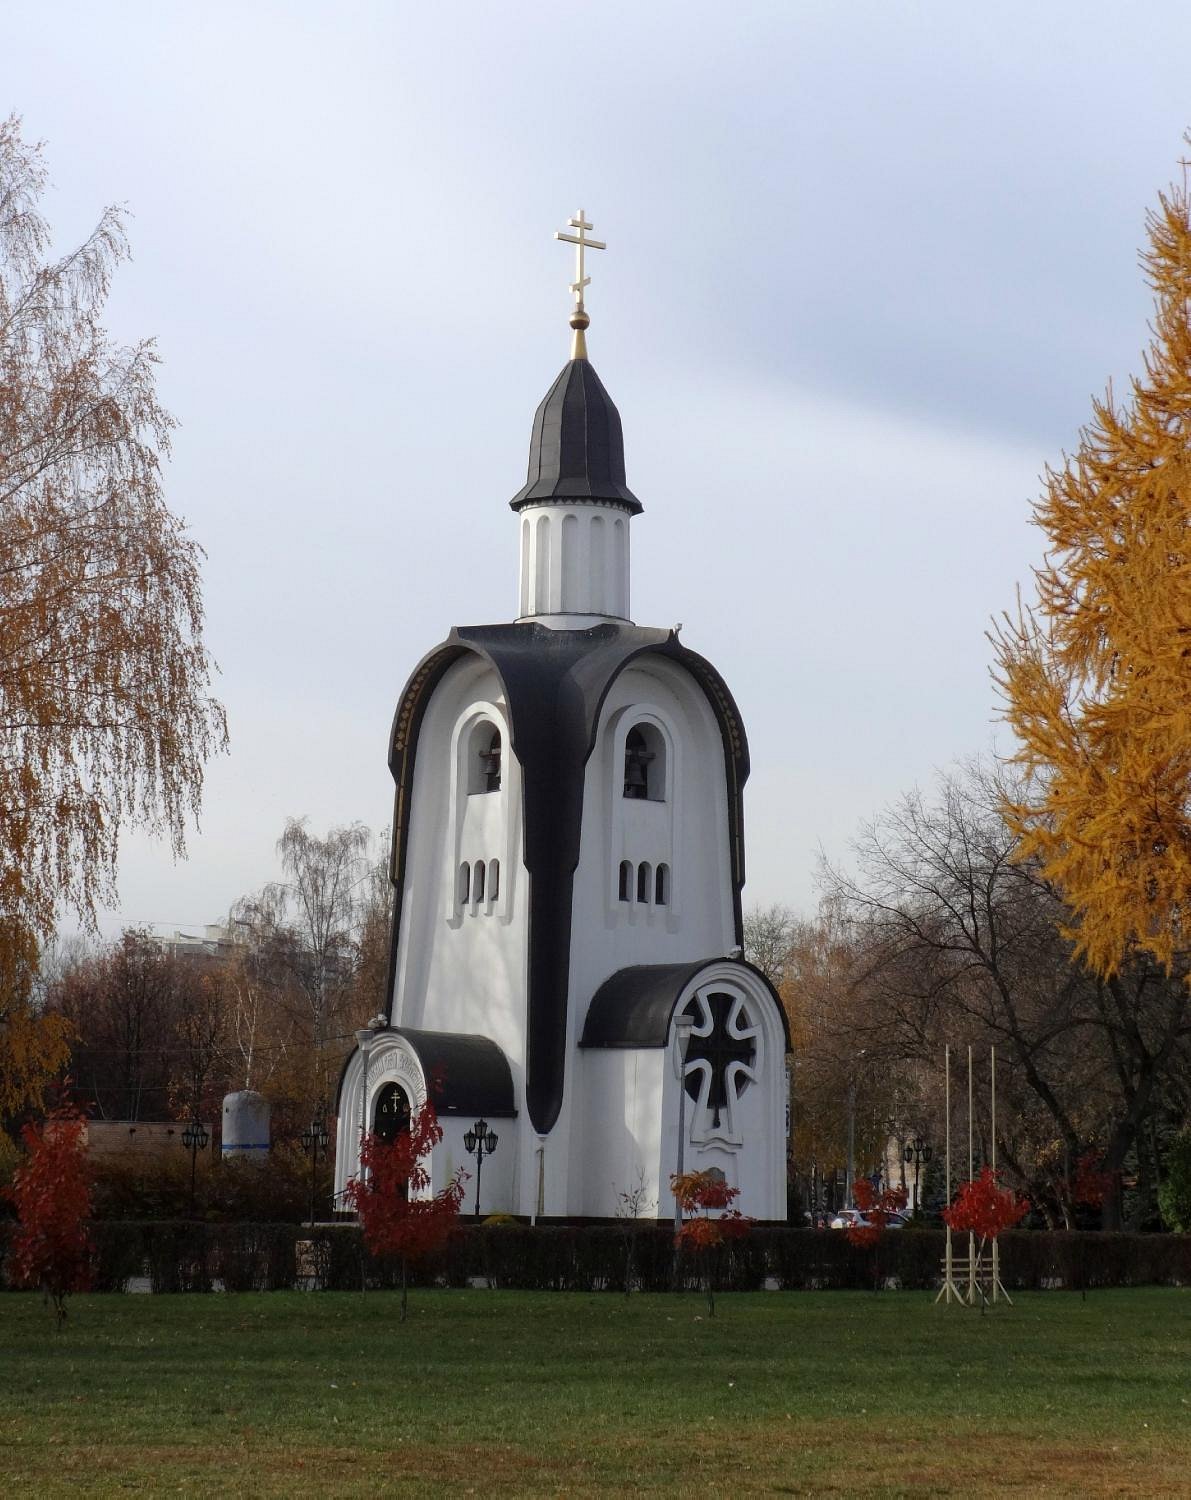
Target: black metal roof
(576, 451)
(634, 1006)
(555, 683)
(465, 1074)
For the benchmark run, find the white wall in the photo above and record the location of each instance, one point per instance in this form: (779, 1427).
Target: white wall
(622, 1102)
(463, 970)
(630, 1110)
(498, 1187)
(689, 831)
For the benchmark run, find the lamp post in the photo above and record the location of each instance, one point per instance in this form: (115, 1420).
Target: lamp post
(479, 1142)
(850, 1176)
(683, 1025)
(194, 1138)
(919, 1153)
(315, 1138)
(364, 1041)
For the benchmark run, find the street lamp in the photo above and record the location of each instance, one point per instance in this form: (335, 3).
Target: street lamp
(851, 1170)
(195, 1139)
(479, 1142)
(315, 1138)
(917, 1152)
(683, 1025)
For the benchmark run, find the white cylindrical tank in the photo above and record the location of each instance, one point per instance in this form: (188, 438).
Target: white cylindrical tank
(246, 1126)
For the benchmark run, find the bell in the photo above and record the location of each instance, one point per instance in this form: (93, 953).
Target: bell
(636, 774)
(490, 761)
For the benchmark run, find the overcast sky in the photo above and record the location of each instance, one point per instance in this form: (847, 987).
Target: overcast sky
(867, 265)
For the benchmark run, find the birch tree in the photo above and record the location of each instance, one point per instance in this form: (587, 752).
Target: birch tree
(105, 716)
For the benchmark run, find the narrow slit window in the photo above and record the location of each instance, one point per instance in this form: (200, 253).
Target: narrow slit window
(643, 882)
(626, 880)
(661, 886)
(464, 884)
(478, 883)
(493, 879)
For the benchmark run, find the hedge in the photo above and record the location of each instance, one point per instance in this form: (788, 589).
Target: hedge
(189, 1256)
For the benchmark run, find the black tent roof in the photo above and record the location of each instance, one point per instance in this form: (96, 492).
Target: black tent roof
(576, 451)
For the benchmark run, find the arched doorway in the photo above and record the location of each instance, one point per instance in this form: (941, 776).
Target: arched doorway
(390, 1113)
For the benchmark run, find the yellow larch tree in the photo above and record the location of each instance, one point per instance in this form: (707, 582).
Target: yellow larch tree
(1097, 675)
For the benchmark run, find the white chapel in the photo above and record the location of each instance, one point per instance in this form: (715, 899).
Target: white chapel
(568, 858)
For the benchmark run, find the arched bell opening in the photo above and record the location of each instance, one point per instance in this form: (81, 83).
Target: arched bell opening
(645, 764)
(483, 770)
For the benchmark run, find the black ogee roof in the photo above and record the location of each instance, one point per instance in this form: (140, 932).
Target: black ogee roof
(635, 1006)
(555, 683)
(576, 451)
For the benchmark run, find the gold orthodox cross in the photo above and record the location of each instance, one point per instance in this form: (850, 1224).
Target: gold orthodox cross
(581, 243)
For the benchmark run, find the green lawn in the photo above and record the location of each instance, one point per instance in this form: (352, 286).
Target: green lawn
(520, 1393)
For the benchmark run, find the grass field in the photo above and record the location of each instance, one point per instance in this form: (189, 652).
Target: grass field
(512, 1393)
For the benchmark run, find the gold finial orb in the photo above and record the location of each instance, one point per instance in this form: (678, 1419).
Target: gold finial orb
(579, 318)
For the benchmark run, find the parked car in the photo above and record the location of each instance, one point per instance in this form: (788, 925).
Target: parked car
(845, 1218)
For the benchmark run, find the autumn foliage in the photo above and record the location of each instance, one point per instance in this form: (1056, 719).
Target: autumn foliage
(105, 721)
(396, 1216)
(34, 1044)
(983, 1208)
(1095, 677)
(1090, 1185)
(876, 1207)
(699, 1195)
(51, 1246)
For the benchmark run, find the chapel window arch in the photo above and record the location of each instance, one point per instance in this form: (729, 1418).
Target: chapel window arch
(391, 1112)
(464, 885)
(644, 872)
(626, 880)
(661, 886)
(645, 763)
(484, 757)
(477, 888)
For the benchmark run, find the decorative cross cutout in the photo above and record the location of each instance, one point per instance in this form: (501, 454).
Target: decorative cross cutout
(391, 1112)
(581, 243)
(718, 1047)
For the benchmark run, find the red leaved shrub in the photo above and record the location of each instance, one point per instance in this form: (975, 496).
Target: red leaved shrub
(51, 1189)
(876, 1208)
(698, 1194)
(983, 1208)
(395, 1220)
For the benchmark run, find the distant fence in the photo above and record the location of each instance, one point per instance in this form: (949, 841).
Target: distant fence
(186, 1256)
